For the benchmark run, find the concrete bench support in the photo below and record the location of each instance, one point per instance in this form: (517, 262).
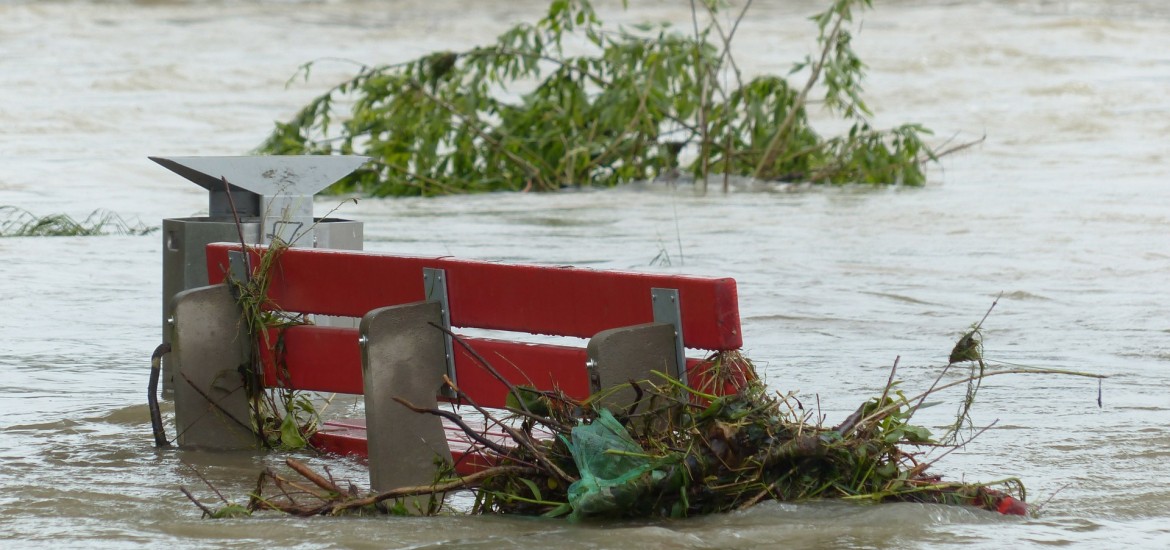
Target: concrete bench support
(619, 355)
(211, 348)
(403, 356)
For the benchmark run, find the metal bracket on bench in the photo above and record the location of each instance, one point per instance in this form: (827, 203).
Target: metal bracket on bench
(238, 267)
(667, 310)
(435, 286)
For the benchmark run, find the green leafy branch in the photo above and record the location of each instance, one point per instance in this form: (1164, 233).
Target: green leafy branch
(640, 103)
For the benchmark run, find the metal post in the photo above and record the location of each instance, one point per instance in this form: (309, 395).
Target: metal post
(667, 310)
(435, 285)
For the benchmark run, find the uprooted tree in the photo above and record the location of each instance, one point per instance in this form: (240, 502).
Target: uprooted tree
(567, 102)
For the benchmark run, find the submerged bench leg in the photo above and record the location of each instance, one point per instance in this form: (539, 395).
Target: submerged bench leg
(209, 347)
(630, 353)
(403, 356)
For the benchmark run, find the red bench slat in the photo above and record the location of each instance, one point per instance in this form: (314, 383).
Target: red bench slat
(563, 301)
(324, 359)
(543, 366)
(328, 359)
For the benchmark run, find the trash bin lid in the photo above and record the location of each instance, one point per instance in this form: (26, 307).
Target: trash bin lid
(288, 175)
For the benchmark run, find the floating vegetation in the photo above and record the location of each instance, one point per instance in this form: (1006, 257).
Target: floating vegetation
(637, 103)
(18, 222)
(679, 452)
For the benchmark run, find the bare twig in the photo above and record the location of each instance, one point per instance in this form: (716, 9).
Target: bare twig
(959, 147)
(206, 511)
(755, 499)
(281, 481)
(471, 432)
(924, 467)
(207, 483)
(227, 189)
(213, 403)
(890, 380)
(703, 81)
(312, 476)
(1039, 507)
(519, 437)
(726, 38)
(979, 325)
(930, 390)
(485, 364)
(778, 139)
(882, 411)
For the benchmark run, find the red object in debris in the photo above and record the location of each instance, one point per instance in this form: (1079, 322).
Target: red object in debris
(1010, 506)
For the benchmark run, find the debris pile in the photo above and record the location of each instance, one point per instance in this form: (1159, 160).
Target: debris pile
(675, 452)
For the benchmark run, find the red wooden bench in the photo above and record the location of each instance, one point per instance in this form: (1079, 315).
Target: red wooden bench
(628, 317)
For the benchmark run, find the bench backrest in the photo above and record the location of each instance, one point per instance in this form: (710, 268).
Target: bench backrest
(560, 301)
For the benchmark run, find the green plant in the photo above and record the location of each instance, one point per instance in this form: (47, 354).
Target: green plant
(641, 102)
(282, 418)
(18, 222)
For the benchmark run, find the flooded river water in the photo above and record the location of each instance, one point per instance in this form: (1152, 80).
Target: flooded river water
(1064, 209)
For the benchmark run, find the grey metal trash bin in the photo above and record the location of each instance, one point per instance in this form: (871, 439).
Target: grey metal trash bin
(271, 195)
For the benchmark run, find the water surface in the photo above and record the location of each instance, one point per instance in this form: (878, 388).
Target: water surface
(1063, 209)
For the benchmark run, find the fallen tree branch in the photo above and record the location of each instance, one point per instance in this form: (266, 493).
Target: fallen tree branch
(309, 474)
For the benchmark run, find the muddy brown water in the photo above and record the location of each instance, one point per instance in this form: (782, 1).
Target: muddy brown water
(1064, 209)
